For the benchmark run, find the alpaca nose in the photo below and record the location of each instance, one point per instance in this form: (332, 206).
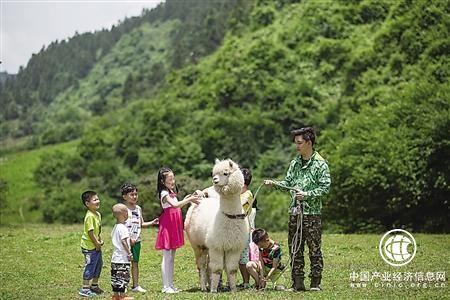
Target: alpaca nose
(215, 179)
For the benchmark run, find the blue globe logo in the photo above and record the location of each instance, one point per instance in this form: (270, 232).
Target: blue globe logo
(394, 247)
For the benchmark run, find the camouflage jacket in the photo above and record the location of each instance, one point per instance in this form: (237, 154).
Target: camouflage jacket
(311, 177)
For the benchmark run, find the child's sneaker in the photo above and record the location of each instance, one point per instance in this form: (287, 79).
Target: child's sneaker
(139, 289)
(169, 290)
(86, 293)
(96, 289)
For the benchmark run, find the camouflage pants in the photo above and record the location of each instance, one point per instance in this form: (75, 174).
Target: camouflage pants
(312, 234)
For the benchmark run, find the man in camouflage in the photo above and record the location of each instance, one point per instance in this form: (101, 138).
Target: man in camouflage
(308, 181)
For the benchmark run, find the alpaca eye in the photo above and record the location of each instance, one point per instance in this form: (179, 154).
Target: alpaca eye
(226, 173)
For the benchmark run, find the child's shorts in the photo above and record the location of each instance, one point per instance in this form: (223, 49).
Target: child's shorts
(136, 251)
(120, 276)
(243, 260)
(93, 264)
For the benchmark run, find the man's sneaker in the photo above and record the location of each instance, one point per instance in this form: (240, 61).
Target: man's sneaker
(139, 289)
(86, 293)
(176, 289)
(96, 289)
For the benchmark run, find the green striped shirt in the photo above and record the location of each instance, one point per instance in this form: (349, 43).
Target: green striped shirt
(311, 177)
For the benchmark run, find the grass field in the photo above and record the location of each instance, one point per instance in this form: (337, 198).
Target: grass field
(44, 262)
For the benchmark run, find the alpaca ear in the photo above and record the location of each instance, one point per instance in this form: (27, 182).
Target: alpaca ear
(217, 161)
(231, 163)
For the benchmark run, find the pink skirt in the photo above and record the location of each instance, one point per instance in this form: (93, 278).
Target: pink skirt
(170, 234)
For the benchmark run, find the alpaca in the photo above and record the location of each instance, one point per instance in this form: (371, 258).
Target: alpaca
(217, 227)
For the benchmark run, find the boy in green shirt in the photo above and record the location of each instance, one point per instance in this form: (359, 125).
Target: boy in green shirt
(91, 245)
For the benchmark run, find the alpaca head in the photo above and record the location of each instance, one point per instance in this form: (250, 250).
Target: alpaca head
(227, 177)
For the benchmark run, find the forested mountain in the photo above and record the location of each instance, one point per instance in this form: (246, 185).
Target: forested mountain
(231, 79)
(61, 67)
(5, 76)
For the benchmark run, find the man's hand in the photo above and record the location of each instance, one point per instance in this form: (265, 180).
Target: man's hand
(300, 196)
(268, 182)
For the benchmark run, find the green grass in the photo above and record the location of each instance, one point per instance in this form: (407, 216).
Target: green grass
(18, 169)
(44, 262)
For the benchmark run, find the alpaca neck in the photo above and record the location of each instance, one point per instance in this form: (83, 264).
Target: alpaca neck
(231, 204)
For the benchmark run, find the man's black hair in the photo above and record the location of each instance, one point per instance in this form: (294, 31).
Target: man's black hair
(307, 133)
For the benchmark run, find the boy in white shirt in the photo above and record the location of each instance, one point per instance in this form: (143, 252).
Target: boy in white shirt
(121, 257)
(134, 224)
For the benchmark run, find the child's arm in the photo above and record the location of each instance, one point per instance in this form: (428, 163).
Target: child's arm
(98, 243)
(126, 246)
(244, 199)
(247, 201)
(189, 198)
(148, 224)
(276, 261)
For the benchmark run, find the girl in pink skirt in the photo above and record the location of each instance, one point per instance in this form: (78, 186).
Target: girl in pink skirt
(170, 234)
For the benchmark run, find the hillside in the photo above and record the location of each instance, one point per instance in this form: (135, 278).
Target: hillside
(371, 76)
(5, 76)
(60, 68)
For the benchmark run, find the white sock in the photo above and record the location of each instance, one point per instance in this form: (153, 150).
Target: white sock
(171, 266)
(165, 268)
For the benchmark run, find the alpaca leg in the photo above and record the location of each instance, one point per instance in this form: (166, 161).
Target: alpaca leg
(216, 266)
(201, 261)
(231, 266)
(203, 271)
(208, 270)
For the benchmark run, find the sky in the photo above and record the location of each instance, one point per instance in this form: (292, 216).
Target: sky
(27, 25)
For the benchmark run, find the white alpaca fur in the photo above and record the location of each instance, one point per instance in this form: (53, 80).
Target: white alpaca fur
(217, 239)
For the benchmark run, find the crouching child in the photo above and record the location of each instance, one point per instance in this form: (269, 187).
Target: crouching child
(269, 265)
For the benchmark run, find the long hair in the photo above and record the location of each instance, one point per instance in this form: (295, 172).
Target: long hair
(162, 174)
